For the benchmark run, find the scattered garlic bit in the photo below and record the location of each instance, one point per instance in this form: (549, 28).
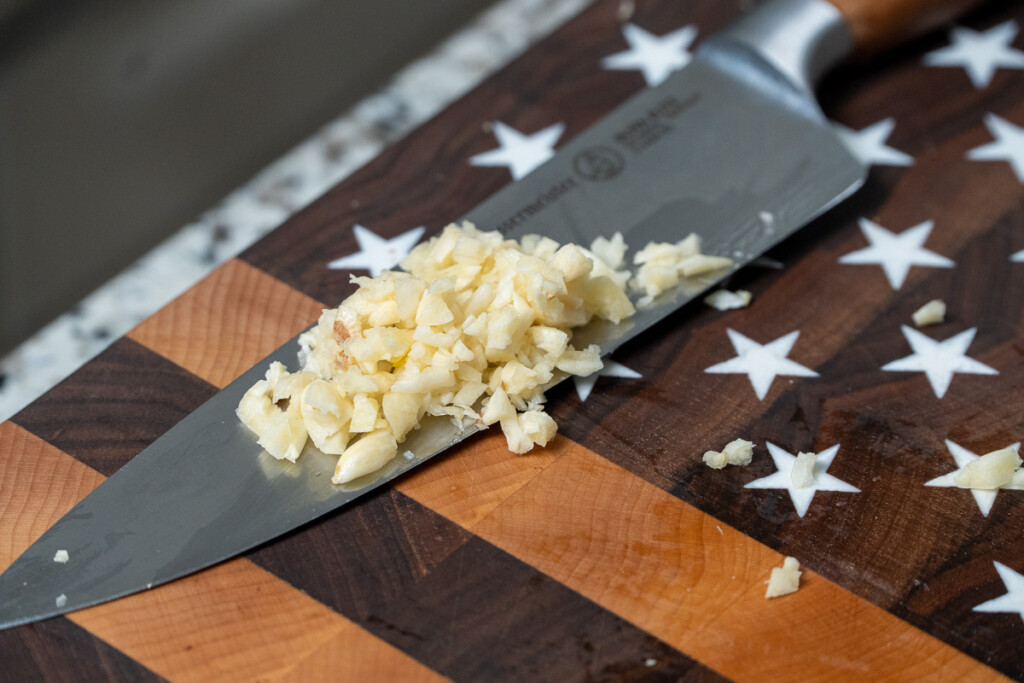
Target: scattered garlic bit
(715, 460)
(61, 601)
(785, 579)
(737, 452)
(724, 300)
(991, 471)
(802, 473)
(473, 330)
(61, 556)
(932, 313)
(663, 265)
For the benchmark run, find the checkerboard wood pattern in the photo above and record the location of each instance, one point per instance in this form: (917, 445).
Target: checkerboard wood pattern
(613, 554)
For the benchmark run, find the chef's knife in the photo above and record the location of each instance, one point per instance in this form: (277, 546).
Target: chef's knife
(732, 147)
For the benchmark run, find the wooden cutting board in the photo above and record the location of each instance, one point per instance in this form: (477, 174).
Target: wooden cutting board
(614, 554)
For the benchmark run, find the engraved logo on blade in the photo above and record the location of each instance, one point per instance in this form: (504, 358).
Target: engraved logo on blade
(598, 163)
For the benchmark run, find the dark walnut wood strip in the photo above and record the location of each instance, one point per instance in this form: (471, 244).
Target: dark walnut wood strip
(57, 650)
(460, 605)
(115, 405)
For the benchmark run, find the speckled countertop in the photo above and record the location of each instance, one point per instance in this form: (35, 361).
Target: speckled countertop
(415, 94)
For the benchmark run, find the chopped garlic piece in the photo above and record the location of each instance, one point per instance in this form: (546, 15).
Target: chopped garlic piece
(715, 460)
(663, 265)
(699, 264)
(366, 455)
(931, 313)
(474, 330)
(736, 452)
(739, 452)
(802, 473)
(612, 252)
(785, 579)
(724, 300)
(991, 471)
(61, 601)
(61, 556)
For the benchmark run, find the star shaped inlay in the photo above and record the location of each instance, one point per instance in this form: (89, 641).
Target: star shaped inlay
(939, 360)
(980, 52)
(376, 253)
(783, 478)
(1008, 145)
(762, 363)
(868, 144)
(896, 253)
(585, 385)
(1013, 600)
(962, 456)
(657, 57)
(521, 153)
(1018, 257)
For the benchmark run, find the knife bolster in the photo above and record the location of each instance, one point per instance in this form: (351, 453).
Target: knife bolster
(802, 39)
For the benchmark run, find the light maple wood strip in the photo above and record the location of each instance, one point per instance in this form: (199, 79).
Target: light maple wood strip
(38, 485)
(226, 323)
(464, 489)
(333, 661)
(232, 621)
(697, 584)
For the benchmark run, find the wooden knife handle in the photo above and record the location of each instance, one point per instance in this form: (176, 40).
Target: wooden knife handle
(880, 24)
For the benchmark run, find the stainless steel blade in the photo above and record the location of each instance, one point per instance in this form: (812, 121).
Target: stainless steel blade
(732, 147)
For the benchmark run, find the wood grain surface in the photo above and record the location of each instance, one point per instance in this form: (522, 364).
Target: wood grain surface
(613, 554)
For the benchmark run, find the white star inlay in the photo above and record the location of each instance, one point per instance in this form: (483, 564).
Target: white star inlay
(762, 363)
(868, 144)
(1018, 257)
(962, 456)
(1013, 599)
(521, 153)
(896, 253)
(1008, 145)
(980, 52)
(656, 56)
(376, 253)
(585, 385)
(783, 478)
(939, 360)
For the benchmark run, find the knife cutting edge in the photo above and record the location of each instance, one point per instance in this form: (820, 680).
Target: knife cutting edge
(733, 147)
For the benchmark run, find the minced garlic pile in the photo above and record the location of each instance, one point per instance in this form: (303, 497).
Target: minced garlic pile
(474, 329)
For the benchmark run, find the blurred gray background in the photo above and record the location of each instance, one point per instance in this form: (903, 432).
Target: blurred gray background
(122, 121)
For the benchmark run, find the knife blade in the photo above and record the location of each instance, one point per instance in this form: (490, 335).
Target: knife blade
(733, 147)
